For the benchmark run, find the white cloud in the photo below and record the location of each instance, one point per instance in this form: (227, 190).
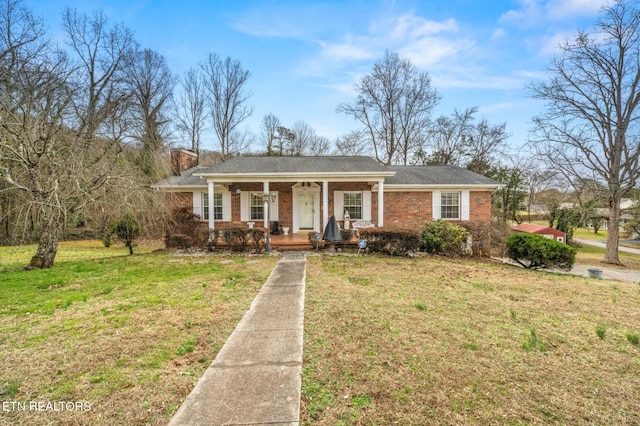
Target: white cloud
(411, 27)
(561, 9)
(348, 50)
(498, 33)
(432, 52)
(536, 12)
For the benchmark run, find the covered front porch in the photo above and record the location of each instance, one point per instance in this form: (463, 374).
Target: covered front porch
(299, 241)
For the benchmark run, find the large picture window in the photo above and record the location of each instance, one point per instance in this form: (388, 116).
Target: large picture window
(257, 207)
(450, 206)
(353, 204)
(217, 206)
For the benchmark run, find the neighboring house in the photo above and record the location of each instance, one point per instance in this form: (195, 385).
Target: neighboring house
(545, 231)
(304, 192)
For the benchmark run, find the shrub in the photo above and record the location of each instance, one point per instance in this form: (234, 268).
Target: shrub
(312, 239)
(236, 238)
(480, 235)
(346, 235)
(440, 236)
(186, 230)
(257, 238)
(535, 251)
(127, 228)
(392, 242)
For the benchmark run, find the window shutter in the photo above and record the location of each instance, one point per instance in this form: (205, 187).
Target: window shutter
(436, 205)
(273, 208)
(197, 204)
(338, 205)
(464, 205)
(245, 214)
(226, 206)
(366, 205)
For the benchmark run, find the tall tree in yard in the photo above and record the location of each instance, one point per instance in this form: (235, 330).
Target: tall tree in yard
(61, 125)
(151, 84)
(190, 109)
(394, 104)
(225, 84)
(590, 126)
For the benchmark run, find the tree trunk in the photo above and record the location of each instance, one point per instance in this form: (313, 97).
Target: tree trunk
(613, 232)
(46, 252)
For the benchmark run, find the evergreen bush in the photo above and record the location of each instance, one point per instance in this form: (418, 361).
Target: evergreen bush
(535, 251)
(440, 236)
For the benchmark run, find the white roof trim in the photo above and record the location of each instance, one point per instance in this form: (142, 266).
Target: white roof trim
(426, 187)
(293, 177)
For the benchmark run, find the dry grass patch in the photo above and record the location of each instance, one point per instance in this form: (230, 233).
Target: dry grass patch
(130, 335)
(443, 341)
(593, 256)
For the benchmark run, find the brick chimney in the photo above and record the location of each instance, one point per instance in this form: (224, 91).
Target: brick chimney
(181, 160)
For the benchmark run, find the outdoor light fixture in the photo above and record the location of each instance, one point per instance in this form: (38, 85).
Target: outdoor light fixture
(238, 191)
(268, 199)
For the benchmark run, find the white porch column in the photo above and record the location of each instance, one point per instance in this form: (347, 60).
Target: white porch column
(266, 205)
(380, 203)
(325, 204)
(210, 206)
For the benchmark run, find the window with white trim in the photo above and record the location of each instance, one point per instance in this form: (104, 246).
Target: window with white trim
(257, 207)
(450, 205)
(353, 204)
(217, 206)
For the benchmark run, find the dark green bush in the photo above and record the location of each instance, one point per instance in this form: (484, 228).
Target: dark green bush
(534, 251)
(397, 242)
(127, 228)
(440, 236)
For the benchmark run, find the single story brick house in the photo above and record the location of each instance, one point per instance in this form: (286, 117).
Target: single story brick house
(304, 192)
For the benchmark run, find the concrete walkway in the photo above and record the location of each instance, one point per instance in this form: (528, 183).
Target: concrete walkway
(256, 377)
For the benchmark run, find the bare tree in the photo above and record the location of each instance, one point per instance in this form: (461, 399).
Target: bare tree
(320, 145)
(225, 82)
(590, 125)
(190, 111)
(104, 54)
(269, 128)
(56, 116)
(394, 104)
(353, 143)
(483, 146)
(37, 155)
(285, 138)
(152, 87)
(447, 137)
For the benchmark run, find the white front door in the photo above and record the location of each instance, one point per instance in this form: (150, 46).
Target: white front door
(305, 211)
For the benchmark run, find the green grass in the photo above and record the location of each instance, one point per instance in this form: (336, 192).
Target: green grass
(523, 353)
(130, 334)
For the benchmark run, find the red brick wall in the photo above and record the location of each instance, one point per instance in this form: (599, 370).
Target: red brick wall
(405, 209)
(402, 209)
(181, 160)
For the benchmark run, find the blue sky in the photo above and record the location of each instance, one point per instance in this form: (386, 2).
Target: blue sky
(305, 56)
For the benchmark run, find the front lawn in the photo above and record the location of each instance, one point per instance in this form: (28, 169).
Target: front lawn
(127, 335)
(446, 341)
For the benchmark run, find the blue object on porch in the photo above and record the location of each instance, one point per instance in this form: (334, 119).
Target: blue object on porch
(275, 228)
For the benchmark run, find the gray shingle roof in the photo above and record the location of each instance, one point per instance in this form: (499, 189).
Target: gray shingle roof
(296, 165)
(436, 175)
(185, 179)
(404, 175)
